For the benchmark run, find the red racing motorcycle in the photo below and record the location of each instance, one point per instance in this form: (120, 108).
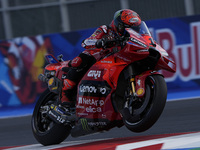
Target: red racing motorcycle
(122, 88)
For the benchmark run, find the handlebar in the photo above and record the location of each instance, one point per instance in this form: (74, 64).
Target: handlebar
(118, 40)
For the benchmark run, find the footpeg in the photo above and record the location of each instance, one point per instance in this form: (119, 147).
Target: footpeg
(58, 115)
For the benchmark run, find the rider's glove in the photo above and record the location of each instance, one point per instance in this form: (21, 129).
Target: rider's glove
(100, 43)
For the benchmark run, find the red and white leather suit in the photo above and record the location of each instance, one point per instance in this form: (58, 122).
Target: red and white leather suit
(80, 64)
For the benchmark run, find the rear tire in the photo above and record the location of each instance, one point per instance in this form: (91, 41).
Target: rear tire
(153, 105)
(45, 130)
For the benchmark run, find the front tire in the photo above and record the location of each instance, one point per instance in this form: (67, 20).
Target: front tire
(146, 113)
(44, 129)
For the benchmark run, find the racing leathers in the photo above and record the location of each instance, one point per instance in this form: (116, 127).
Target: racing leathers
(94, 51)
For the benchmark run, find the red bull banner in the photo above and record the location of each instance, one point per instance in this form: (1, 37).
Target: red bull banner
(181, 38)
(22, 59)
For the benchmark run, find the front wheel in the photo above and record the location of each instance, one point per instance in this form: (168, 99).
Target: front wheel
(143, 113)
(44, 129)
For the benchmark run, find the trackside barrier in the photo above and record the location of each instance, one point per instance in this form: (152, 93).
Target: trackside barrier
(22, 59)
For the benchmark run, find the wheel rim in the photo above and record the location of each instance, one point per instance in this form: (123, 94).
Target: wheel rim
(141, 107)
(42, 122)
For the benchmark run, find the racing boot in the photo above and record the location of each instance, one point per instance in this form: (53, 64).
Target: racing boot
(64, 114)
(68, 85)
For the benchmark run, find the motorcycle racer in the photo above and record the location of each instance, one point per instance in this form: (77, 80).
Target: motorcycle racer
(95, 49)
(123, 87)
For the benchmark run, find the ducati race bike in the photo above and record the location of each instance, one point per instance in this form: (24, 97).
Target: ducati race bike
(123, 88)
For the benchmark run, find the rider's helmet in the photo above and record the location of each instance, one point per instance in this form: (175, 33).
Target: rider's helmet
(126, 18)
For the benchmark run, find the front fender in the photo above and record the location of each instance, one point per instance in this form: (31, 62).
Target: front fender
(140, 82)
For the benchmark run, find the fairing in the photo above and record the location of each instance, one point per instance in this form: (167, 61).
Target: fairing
(94, 99)
(97, 87)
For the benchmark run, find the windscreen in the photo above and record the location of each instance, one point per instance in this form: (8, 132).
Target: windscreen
(142, 29)
(51, 59)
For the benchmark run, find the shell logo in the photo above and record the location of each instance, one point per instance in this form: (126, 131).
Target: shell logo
(140, 91)
(50, 82)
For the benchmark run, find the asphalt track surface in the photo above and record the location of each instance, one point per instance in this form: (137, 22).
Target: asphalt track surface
(178, 117)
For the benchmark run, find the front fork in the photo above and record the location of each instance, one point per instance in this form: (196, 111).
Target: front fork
(131, 94)
(132, 82)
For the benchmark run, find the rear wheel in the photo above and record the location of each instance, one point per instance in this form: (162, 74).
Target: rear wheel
(141, 114)
(44, 129)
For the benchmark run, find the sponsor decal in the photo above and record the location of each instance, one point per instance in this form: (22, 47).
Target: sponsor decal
(138, 42)
(143, 50)
(81, 107)
(50, 82)
(91, 109)
(89, 42)
(80, 100)
(104, 28)
(97, 124)
(140, 91)
(88, 101)
(107, 62)
(52, 114)
(58, 118)
(133, 20)
(118, 13)
(58, 110)
(64, 76)
(94, 104)
(89, 89)
(139, 82)
(83, 114)
(103, 90)
(84, 124)
(54, 88)
(92, 89)
(83, 45)
(97, 32)
(61, 120)
(103, 116)
(94, 74)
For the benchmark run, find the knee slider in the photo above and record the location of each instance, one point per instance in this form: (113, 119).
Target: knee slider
(82, 61)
